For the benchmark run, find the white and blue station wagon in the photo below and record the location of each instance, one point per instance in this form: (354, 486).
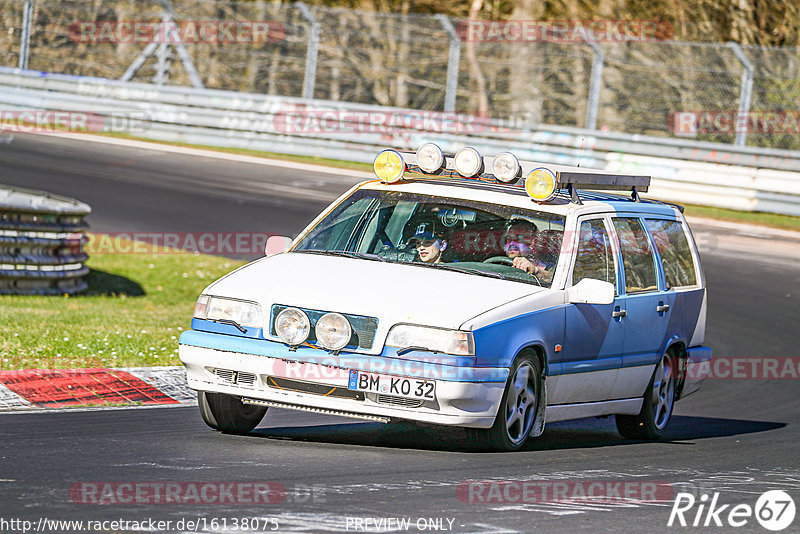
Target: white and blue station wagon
(457, 289)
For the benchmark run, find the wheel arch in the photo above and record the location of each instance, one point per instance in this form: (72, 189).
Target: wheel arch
(678, 347)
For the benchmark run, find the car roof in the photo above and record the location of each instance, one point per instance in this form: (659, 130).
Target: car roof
(508, 195)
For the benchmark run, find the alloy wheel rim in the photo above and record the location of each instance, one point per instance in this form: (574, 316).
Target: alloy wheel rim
(521, 404)
(663, 392)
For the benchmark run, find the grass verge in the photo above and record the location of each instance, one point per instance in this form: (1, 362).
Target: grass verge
(135, 309)
(772, 220)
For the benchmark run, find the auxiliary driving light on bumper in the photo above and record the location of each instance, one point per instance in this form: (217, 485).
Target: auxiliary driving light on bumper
(333, 331)
(292, 326)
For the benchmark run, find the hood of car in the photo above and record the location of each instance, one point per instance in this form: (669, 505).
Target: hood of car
(391, 292)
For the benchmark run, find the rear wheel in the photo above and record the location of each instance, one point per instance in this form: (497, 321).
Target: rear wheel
(659, 399)
(518, 409)
(227, 413)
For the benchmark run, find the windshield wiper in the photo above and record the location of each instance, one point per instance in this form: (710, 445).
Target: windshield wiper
(345, 254)
(414, 348)
(231, 322)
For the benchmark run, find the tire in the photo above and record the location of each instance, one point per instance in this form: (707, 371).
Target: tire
(518, 408)
(659, 401)
(227, 413)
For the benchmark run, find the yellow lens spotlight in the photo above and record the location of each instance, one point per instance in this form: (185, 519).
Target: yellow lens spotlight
(389, 166)
(541, 184)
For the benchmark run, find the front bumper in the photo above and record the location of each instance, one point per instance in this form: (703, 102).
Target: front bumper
(465, 396)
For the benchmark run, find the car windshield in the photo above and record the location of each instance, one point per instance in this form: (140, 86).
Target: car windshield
(477, 238)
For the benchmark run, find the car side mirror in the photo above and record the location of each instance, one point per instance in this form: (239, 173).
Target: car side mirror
(277, 244)
(591, 291)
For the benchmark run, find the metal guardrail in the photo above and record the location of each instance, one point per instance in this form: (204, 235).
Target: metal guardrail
(41, 243)
(744, 178)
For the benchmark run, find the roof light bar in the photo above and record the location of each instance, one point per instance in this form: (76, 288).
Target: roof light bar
(389, 166)
(468, 162)
(430, 158)
(505, 167)
(541, 183)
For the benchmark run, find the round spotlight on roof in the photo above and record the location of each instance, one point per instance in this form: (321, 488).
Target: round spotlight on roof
(430, 158)
(541, 184)
(468, 162)
(505, 167)
(389, 166)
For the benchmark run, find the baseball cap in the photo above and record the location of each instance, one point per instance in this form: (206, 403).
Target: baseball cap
(425, 232)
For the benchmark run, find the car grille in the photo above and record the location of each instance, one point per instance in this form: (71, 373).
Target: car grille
(399, 401)
(238, 378)
(363, 327)
(314, 389)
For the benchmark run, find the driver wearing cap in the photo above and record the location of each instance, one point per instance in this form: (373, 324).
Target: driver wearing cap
(429, 244)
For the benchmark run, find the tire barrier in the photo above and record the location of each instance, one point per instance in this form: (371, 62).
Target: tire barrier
(41, 243)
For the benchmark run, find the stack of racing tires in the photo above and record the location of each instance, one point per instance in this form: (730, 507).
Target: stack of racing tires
(41, 243)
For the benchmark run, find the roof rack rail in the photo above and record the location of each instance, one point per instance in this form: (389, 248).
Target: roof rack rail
(603, 182)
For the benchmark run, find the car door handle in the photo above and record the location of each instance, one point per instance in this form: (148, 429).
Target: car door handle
(619, 313)
(661, 308)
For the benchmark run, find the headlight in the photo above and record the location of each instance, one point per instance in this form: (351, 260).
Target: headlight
(243, 312)
(430, 158)
(333, 331)
(454, 342)
(468, 162)
(505, 167)
(292, 326)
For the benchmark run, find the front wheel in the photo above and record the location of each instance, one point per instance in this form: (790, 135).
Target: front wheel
(659, 399)
(227, 413)
(518, 409)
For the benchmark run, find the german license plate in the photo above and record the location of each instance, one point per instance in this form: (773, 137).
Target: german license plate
(396, 386)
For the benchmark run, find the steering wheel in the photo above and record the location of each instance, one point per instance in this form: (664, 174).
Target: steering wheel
(505, 260)
(502, 260)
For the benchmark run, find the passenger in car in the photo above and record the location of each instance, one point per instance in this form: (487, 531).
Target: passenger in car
(429, 244)
(520, 246)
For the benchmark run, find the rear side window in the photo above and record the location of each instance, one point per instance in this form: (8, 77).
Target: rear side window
(637, 255)
(673, 247)
(595, 258)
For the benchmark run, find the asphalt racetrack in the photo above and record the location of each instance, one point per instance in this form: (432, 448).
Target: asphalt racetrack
(737, 437)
